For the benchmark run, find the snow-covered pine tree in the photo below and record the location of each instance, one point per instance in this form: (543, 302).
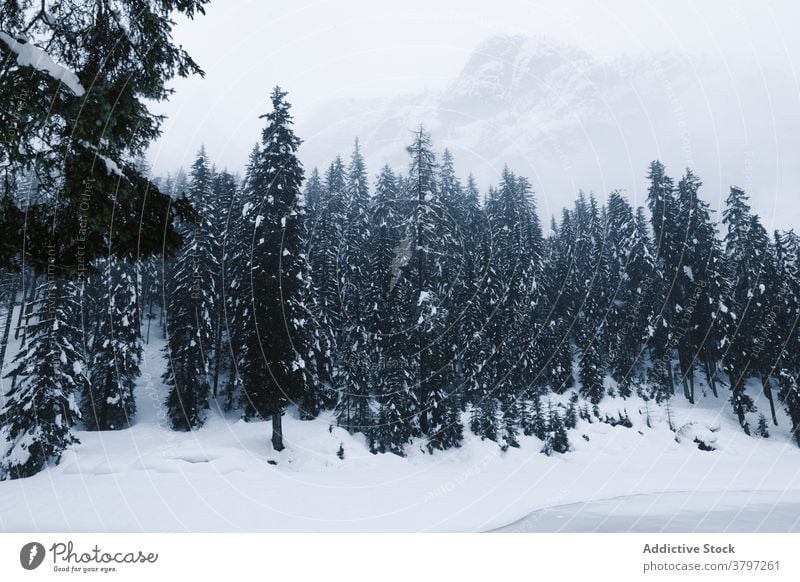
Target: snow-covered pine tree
(790, 396)
(151, 293)
(433, 241)
(192, 307)
(662, 203)
(556, 439)
(470, 344)
(315, 398)
(324, 244)
(236, 277)
(353, 409)
(759, 336)
(482, 354)
(787, 251)
(555, 309)
(272, 366)
(390, 298)
(397, 370)
(591, 294)
(631, 275)
(511, 328)
(697, 285)
(459, 208)
(223, 202)
(746, 260)
(42, 406)
(762, 429)
(109, 403)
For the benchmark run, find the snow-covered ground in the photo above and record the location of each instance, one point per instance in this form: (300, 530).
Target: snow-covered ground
(220, 478)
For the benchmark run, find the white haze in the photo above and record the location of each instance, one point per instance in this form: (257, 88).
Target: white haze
(572, 95)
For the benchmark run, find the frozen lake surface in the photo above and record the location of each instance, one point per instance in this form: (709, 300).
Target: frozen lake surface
(672, 512)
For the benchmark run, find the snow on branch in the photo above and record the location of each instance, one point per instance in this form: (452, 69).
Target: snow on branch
(29, 55)
(111, 166)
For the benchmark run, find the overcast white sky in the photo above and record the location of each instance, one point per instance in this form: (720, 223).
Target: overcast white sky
(326, 48)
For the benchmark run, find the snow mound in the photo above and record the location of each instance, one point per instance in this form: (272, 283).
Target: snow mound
(705, 437)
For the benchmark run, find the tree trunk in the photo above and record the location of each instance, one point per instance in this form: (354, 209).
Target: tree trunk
(149, 318)
(27, 308)
(712, 378)
(670, 377)
(768, 394)
(217, 350)
(689, 394)
(27, 304)
(12, 299)
(277, 431)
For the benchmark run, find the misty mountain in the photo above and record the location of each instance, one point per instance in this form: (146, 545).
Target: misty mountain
(570, 121)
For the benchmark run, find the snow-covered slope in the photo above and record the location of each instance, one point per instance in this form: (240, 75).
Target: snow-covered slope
(568, 121)
(222, 477)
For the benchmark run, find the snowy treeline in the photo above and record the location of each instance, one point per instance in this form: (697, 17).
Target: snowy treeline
(411, 304)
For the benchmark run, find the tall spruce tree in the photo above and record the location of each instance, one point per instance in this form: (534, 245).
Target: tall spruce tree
(631, 275)
(556, 310)
(109, 403)
(787, 250)
(42, 406)
(745, 258)
(697, 285)
(390, 301)
(318, 354)
(272, 366)
(223, 203)
(192, 307)
(354, 407)
(662, 203)
(325, 244)
(512, 328)
(432, 244)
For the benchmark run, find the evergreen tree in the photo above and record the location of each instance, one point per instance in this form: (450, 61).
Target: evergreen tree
(432, 246)
(192, 307)
(41, 407)
(354, 410)
(223, 203)
(116, 57)
(556, 438)
(631, 272)
(666, 236)
(315, 398)
(591, 372)
(697, 286)
(556, 311)
(391, 294)
(762, 429)
(747, 250)
(787, 254)
(483, 350)
(238, 281)
(325, 244)
(592, 289)
(512, 294)
(272, 367)
(109, 403)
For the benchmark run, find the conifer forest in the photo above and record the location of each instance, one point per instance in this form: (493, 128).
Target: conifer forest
(413, 310)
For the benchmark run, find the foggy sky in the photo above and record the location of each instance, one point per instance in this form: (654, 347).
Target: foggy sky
(320, 50)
